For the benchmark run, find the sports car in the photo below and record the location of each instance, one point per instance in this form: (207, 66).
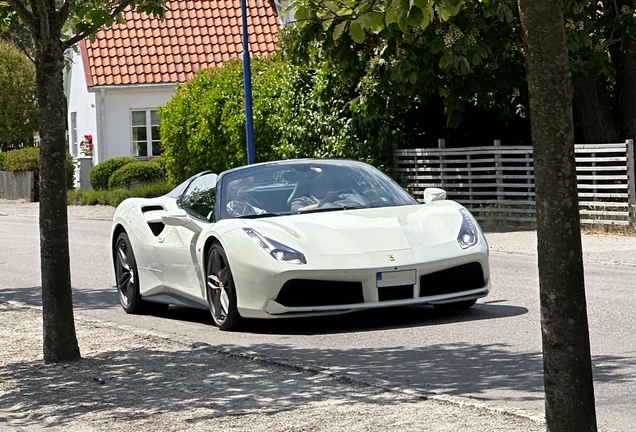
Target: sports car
(296, 238)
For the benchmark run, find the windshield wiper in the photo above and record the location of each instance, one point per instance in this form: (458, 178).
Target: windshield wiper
(329, 209)
(257, 216)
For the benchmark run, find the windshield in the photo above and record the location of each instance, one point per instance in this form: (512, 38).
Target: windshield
(311, 186)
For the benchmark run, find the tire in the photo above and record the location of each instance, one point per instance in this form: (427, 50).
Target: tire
(221, 291)
(456, 306)
(127, 278)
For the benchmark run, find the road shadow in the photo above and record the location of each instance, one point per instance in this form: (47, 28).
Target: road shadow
(369, 320)
(94, 298)
(137, 384)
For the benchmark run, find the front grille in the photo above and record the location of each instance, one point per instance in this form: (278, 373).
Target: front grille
(307, 292)
(395, 293)
(456, 279)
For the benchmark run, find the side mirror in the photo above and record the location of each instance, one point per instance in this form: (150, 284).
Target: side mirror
(180, 218)
(434, 194)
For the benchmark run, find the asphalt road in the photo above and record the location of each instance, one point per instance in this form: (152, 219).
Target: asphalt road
(490, 354)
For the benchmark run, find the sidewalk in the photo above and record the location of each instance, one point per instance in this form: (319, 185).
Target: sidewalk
(130, 380)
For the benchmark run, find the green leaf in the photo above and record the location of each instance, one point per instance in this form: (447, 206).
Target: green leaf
(446, 61)
(302, 13)
(338, 30)
(356, 31)
(373, 21)
(427, 17)
(449, 9)
(331, 6)
(413, 77)
(326, 24)
(392, 15)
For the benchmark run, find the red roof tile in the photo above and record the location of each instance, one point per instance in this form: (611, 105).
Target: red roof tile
(194, 35)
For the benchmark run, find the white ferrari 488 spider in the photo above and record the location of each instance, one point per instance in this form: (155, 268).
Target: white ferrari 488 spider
(296, 238)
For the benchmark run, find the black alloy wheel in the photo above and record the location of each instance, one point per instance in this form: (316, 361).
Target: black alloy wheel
(127, 278)
(220, 290)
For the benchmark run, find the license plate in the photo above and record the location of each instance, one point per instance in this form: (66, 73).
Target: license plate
(395, 278)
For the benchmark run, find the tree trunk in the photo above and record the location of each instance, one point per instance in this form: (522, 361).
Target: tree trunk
(60, 342)
(569, 392)
(594, 108)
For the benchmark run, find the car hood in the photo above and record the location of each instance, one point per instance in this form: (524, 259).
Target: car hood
(365, 230)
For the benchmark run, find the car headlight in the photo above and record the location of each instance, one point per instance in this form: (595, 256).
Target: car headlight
(468, 235)
(277, 250)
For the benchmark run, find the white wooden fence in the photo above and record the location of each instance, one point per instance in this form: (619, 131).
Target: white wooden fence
(497, 183)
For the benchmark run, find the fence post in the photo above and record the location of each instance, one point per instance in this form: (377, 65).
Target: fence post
(441, 143)
(499, 171)
(631, 184)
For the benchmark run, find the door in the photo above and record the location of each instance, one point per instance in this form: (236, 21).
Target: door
(176, 250)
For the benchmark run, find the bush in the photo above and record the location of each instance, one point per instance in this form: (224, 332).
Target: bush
(28, 159)
(136, 173)
(115, 197)
(100, 173)
(203, 125)
(70, 172)
(24, 159)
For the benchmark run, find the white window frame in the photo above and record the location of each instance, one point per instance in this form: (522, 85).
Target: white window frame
(74, 141)
(149, 138)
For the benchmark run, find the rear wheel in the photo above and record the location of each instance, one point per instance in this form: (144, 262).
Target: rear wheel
(128, 279)
(221, 291)
(456, 306)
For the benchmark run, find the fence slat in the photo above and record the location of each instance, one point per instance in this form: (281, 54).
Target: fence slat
(497, 183)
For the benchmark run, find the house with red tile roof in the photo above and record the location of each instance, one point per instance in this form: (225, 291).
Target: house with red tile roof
(116, 83)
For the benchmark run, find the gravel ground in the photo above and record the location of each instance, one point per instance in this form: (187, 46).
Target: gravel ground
(133, 380)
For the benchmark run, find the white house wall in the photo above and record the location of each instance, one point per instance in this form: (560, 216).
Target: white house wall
(80, 101)
(114, 106)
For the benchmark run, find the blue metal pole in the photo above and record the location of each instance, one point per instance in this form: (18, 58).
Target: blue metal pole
(247, 87)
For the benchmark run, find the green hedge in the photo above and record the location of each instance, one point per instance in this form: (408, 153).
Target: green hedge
(136, 173)
(24, 159)
(100, 173)
(203, 125)
(28, 159)
(115, 197)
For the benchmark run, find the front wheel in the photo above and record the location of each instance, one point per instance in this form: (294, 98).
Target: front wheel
(456, 306)
(221, 291)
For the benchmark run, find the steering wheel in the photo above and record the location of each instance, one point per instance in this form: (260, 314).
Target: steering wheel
(332, 197)
(353, 199)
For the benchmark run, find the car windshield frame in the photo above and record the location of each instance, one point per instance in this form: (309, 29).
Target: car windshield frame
(362, 186)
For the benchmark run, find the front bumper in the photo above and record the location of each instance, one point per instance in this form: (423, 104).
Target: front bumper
(267, 305)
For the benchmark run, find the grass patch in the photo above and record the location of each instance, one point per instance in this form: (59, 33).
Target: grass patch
(115, 196)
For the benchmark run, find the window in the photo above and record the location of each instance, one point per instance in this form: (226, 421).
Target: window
(199, 198)
(74, 142)
(145, 133)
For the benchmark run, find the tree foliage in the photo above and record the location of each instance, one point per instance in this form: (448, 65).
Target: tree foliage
(476, 60)
(18, 105)
(463, 60)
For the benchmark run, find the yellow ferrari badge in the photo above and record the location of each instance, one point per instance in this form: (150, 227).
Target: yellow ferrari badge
(391, 258)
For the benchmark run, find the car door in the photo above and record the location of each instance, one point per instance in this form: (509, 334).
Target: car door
(176, 249)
